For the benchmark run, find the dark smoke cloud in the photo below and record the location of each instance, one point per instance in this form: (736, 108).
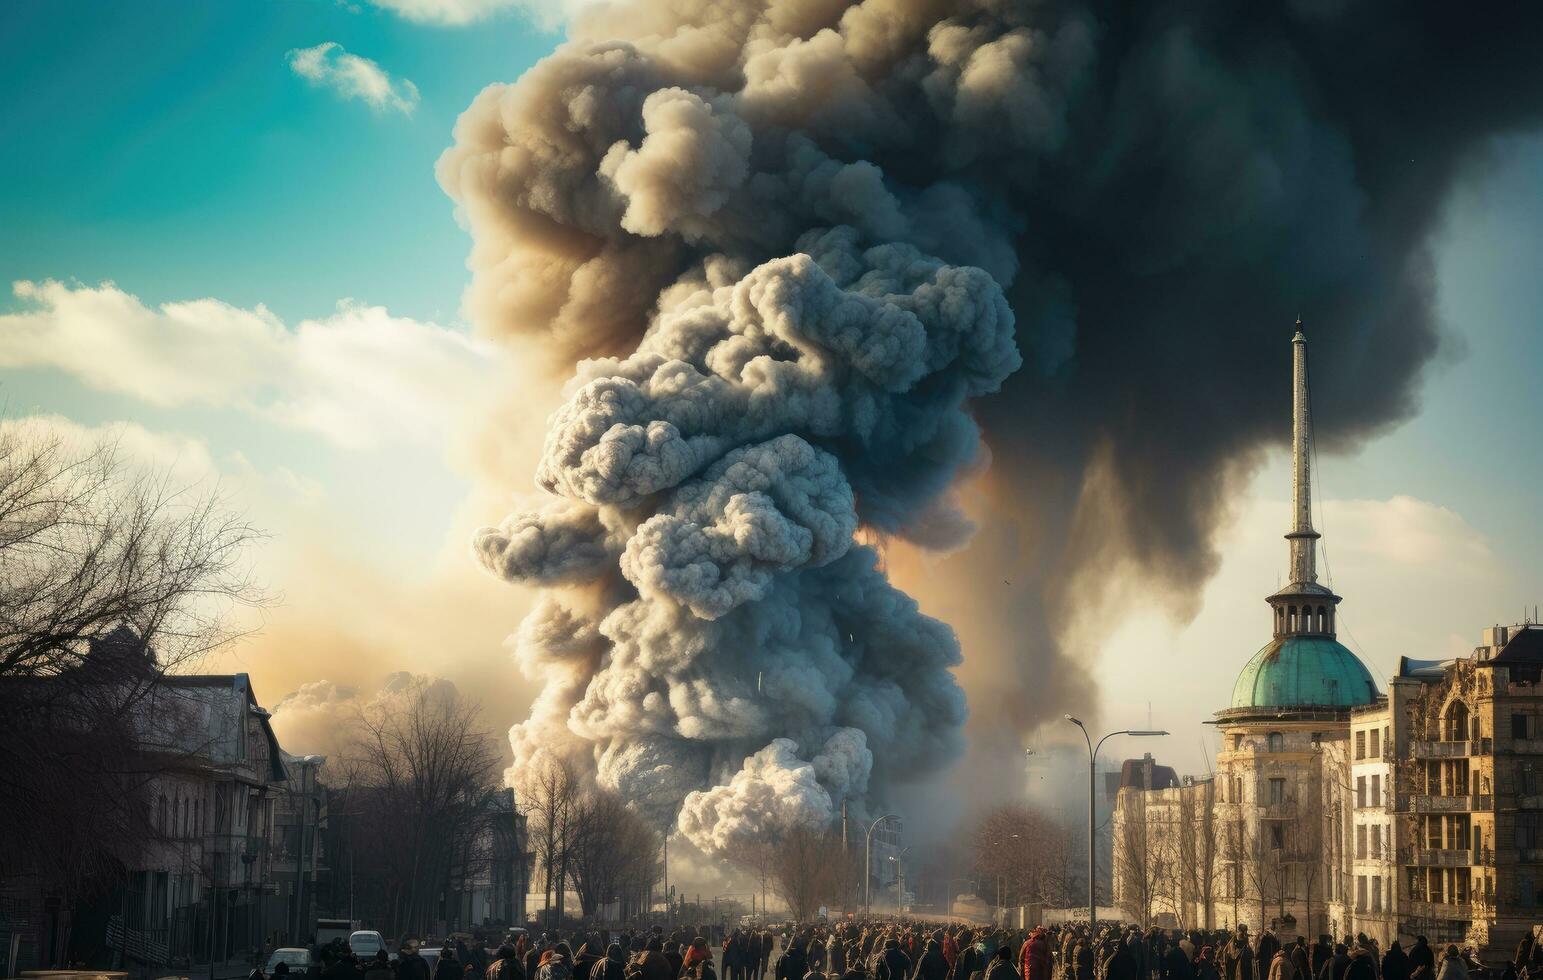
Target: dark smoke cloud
(1158, 188)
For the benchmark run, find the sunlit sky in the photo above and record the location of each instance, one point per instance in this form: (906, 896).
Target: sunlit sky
(232, 253)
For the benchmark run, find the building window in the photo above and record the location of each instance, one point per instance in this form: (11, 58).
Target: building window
(1373, 749)
(1277, 791)
(1360, 791)
(1519, 726)
(1527, 831)
(1360, 893)
(1456, 722)
(1376, 790)
(1277, 836)
(1360, 745)
(1237, 742)
(1376, 842)
(1360, 842)
(1276, 741)
(1376, 893)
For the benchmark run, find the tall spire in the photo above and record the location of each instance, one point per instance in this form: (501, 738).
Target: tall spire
(1302, 538)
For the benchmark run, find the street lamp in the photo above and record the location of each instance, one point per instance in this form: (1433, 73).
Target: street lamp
(868, 862)
(997, 843)
(1092, 796)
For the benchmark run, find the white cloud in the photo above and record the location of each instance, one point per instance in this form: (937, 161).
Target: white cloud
(550, 14)
(353, 77)
(360, 377)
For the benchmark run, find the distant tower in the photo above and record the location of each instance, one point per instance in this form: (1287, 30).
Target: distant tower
(1303, 607)
(1291, 703)
(1304, 540)
(1304, 666)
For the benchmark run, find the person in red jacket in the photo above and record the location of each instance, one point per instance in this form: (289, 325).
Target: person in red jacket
(1035, 960)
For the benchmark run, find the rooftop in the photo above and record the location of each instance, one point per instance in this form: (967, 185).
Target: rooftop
(1304, 671)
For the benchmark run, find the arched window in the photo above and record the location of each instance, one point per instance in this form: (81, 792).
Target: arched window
(1291, 620)
(1323, 620)
(1276, 742)
(1456, 727)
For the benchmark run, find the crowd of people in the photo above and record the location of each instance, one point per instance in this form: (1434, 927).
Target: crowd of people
(922, 951)
(916, 950)
(744, 954)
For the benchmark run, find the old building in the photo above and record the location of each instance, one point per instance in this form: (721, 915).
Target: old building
(202, 765)
(1470, 791)
(202, 887)
(300, 873)
(1336, 808)
(1272, 831)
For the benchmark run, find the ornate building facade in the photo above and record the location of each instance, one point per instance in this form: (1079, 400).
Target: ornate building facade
(1335, 808)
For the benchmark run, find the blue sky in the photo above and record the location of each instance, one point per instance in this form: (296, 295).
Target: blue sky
(169, 147)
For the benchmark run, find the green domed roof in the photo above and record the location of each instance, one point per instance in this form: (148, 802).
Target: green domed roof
(1304, 672)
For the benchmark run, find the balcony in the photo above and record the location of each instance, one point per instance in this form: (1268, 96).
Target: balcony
(1426, 803)
(1449, 750)
(1444, 857)
(1437, 911)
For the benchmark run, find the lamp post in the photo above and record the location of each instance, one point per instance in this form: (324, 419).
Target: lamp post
(899, 860)
(868, 862)
(1092, 796)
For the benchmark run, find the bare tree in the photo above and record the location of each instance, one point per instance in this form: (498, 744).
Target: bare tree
(111, 577)
(1012, 844)
(806, 869)
(1260, 857)
(759, 858)
(1140, 858)
(1199, 840)
(420, 774)
(552, 792)
(1065, 851)
(1235, 853)
(610, 845)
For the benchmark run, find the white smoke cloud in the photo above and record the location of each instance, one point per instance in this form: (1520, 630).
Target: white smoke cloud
(775, 790)
(328, 65)
(321, 716)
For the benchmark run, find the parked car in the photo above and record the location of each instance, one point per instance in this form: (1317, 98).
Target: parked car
(298, 959)
(366, 943)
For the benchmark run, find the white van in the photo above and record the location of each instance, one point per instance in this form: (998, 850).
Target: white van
(366, 943)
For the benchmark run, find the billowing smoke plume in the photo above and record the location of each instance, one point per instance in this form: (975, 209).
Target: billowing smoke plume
(710, 487)
(785, 228)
